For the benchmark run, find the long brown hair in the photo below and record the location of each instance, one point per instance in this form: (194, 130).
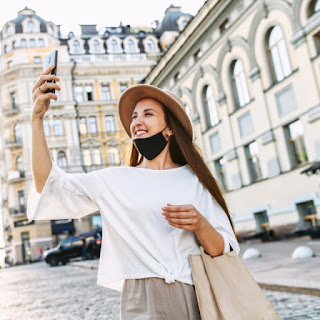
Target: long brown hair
(184, 151)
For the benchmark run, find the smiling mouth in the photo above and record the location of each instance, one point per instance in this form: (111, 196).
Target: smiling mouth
(140, 133)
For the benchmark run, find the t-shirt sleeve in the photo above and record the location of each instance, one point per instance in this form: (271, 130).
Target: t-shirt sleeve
(220, 222)
(65, 195)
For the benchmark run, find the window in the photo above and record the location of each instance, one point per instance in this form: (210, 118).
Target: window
(123, 87)
(32, 43)
(21, 200)
(278, 55)
(211, 114)
(19, 163)
(262, 221)
(297, 148)
(113, 156)
(308, 214)
(79, 93)
(150, 45)
(6, 49)
(130, 46)
(240, 84)
(41, 43)
(58, 127)
(13, 99)
(76, 46)
(220, 170)
(110, 124)
(62, 159)
(187, 110)
(89, 92)
(46, 127)
(96, 46)
(314, 7)
(30, 26)
(87, 157)
(37, 60)
(14, 45)
(17, 133)
(83, 125)
(23, 43)
(252, 153)
(10, 30)
(106, 94)
(10, 64)
(92, 124)
(97, 157)
(114, 46)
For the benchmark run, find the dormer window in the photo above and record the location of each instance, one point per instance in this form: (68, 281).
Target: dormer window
(10, 30)
(76, 46)
(96, 46)
(114, 46)
(150, 45)
(31, 26)
(130, 46)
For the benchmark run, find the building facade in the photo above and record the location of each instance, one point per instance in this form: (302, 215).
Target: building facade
(248, 72)
(82, 128)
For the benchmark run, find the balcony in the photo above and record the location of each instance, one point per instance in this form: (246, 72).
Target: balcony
(11, 110)
(18, 211)
(16, 176)
(99, 135)
(15, 143)
(111, 58)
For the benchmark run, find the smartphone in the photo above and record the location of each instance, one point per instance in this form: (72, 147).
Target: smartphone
(50, 59)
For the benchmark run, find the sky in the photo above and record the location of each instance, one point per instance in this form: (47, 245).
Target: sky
(70, 13)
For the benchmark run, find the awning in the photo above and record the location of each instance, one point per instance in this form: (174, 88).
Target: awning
(315, 168)
(62, 226)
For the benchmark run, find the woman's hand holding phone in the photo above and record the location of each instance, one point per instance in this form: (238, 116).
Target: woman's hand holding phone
(41, 99)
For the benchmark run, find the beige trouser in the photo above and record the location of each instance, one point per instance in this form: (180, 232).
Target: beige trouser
(152, 298)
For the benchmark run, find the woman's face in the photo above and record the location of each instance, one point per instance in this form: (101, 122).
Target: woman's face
(148, 119)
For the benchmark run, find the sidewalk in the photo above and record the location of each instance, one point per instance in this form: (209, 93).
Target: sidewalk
(275, 270)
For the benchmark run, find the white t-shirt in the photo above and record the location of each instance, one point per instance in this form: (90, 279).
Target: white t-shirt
(137, 241)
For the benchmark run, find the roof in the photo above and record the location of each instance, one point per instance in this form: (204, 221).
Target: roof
(315, 168)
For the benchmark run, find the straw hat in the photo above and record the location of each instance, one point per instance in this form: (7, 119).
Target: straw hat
(171, 101)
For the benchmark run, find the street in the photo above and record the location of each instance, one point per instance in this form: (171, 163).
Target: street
(36, 291)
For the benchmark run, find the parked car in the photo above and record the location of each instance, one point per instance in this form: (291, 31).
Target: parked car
(72, 248)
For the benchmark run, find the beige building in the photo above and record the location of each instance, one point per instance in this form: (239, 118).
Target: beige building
(82, 128)
(248, 72)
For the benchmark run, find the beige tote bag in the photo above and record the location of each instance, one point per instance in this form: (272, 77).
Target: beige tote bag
(225, 289)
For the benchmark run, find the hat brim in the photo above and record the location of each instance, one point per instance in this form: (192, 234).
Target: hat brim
(133, 95)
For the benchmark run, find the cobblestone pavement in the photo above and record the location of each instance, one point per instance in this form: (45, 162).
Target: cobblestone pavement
(36, 291)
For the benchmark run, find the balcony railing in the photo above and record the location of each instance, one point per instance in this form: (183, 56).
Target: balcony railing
(16, 176)
(13, 143)
(17, 211)
(125, 57)
(99, 135)
(10, 110)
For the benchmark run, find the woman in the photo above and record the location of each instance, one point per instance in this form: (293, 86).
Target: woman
(155, 212)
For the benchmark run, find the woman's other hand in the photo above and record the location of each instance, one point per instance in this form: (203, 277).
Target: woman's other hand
(185, 217)
(41, 100)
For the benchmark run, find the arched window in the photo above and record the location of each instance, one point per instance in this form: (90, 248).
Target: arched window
(6, 49)
(97, 157)
(209, 106)
(240, 84)
(19, 163)
(113, 156)
(130, 46)
(17, 133)
(150, 44)
(14, 45)
(278, 55)
(314, 7)
(76, 46)
(114, 46)
(87, 157)
(62, 159)
(46, 128)
(96, 46)
(58, 127)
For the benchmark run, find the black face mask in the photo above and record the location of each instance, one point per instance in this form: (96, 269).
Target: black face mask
(152, 146)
